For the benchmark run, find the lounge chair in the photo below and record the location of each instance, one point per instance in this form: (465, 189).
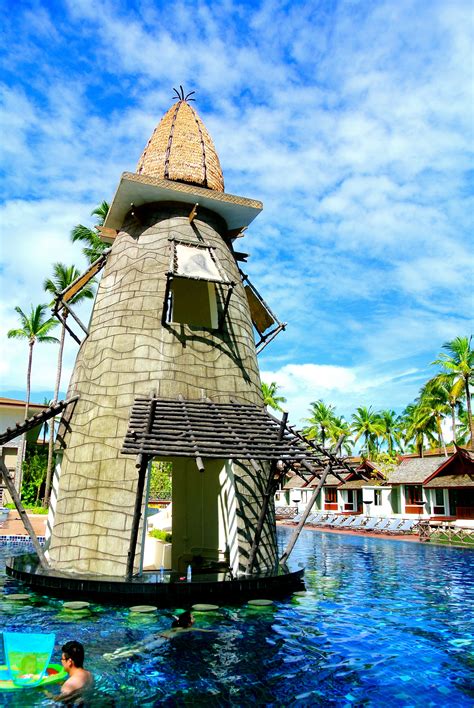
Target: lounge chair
(407, 526)
(372, 523)
(316, 519)
(358, 523)
(393, 526)
(296, 519)
(336, 521)
(382, 526)
(347, 522)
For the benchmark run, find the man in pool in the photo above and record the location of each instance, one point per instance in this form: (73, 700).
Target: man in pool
(72, 659)
(181, 623)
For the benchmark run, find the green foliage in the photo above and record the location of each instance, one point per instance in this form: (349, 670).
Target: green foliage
(271, 397)
(93, 244)
(34, 475)
(386, 463)
(34, 509)
(160, 480)
(161, 535)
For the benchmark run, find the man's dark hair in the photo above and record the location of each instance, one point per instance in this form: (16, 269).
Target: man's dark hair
(75, 651)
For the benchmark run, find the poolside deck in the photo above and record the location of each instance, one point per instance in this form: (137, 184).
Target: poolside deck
(13, 526)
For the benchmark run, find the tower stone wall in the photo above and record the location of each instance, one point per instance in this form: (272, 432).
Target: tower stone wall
(128, 352)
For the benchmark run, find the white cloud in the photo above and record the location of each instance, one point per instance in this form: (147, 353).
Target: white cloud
(352, 123)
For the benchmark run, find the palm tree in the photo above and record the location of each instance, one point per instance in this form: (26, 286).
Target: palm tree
(270, 397)
(339, 426)
(34, 328)
(419, 427)
(444, 387)
(94, 245)
(459, 361)
(390, 423)
(320, 421)
(433, 404)
(63, 276)
(367, 423)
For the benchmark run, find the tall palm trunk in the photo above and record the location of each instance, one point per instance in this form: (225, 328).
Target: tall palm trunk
(469, 411)
(442, 442)
(49, 469)
(22, 450)
(453, 420)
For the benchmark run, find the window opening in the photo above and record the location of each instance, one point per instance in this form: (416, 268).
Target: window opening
(414, 494)
(331, 495)
(438, 507)
(377, 497)
(191, 288)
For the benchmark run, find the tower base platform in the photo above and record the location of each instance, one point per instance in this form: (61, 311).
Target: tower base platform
(150, 588)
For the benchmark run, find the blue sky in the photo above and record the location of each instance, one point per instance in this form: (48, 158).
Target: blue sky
(351, 121)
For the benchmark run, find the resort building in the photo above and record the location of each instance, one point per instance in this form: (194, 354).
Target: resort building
(434, 487)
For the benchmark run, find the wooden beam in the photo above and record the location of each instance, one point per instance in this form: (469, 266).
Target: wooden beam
(63, 321)
(74, 316)
(107, 235)
(23, 515)
(77, 285)
(193, 213)
(226, 306)
(236, 233)
(309, 506)
(35, 420)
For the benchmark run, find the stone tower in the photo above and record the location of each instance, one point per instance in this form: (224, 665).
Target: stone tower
(171, 317)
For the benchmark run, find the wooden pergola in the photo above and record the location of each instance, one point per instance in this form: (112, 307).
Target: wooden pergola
(202, 429)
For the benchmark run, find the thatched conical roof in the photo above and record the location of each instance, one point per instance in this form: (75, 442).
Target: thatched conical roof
(182, 150)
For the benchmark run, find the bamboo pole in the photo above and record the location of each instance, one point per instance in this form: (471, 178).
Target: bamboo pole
(309, 506)
(137, 512)
(23, 515)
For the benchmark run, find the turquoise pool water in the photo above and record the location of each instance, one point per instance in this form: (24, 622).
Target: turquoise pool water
(383, 623)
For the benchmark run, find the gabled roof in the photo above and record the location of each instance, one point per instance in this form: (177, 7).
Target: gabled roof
(456, 471)
(415, 470)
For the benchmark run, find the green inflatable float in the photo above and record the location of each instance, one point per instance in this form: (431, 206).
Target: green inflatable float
(28, 656)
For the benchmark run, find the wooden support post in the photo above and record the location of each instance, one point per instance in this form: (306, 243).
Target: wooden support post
(193, 213)
(74, 316)
(66, 326)
(266, 500)
(226, 306)
(137, 512)
(309, 506)
(23, 515)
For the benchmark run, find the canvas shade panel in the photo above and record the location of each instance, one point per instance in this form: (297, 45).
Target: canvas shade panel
(196, 263)
(261, 317)
(27, 656)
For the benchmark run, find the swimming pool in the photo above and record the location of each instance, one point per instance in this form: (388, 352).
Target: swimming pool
(383, 622)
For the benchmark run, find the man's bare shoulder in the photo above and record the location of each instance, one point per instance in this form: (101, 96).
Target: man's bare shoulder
(81, 679)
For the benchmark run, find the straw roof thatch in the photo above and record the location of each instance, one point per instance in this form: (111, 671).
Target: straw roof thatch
(182, 150)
